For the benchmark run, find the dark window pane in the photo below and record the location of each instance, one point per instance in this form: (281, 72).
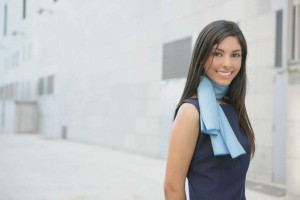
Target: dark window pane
(24, 9)
(41, 87)
(176, 58)
(298, 35)
(293, 33)
(5, 21)
(50, 84)
(278, 46)
(1, 93)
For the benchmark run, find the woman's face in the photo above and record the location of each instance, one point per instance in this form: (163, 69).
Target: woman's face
(224, 62)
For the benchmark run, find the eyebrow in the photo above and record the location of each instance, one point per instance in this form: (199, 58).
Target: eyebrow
(223, 50)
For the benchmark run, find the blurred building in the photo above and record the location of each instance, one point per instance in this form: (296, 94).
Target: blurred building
(112, 72)
(17, 69)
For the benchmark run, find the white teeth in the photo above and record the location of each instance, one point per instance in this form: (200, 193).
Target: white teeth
(224, 73)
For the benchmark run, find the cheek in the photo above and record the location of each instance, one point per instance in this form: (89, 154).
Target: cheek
(211, 64)
(237, 70)
(237, 65)
(207, 65)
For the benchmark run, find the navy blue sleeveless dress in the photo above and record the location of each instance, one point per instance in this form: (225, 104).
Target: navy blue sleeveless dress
(218, 177)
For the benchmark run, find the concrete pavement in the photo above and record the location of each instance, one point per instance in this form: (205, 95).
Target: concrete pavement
(36, 168)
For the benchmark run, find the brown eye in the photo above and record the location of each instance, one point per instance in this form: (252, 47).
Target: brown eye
(236, 55)
(217, 54)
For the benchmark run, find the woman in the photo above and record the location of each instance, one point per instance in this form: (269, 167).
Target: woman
(212, 140)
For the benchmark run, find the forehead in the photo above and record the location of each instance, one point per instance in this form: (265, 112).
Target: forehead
(229, 43)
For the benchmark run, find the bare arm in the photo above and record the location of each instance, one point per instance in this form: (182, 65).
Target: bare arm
(182, 144)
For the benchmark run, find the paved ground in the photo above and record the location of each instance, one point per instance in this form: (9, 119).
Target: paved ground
(35, 168)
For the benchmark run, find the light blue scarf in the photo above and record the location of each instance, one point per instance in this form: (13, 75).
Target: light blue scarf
(213, 120)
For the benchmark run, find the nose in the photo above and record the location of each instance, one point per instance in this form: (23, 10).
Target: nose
(227, 62)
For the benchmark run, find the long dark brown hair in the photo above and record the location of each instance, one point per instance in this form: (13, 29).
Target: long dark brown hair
(212, 35)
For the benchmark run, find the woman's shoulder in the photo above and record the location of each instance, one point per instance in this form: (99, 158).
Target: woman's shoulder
(192, 100)
(189, 107)
(187, 112)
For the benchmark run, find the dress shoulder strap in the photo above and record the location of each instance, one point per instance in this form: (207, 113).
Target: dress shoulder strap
(193, 101)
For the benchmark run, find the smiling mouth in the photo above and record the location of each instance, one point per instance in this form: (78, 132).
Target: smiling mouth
(224, 74)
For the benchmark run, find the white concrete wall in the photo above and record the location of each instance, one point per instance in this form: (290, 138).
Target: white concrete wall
(293, 145)
(9, 116)
(259, 100)
(113, 51)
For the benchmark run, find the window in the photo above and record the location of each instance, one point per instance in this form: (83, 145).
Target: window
(46, 85)
(176, 58)
(6, 63)
(24, 9)
(1, 68)
(10, 91)
(29, 51)
(5, 21)
(15, 90)
(41, 87)
(295, 47)
(17, 57)
(28, 90)
(22, 90)
(50, 84)
(23, 54)
(278, 41)
(4, 92)
(1, 93)
(13, 60)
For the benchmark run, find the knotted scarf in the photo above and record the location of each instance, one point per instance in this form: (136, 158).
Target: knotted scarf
(213, 120)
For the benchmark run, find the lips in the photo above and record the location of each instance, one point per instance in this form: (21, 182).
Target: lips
(224, 74)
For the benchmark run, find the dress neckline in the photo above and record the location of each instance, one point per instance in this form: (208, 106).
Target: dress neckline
(222, 104)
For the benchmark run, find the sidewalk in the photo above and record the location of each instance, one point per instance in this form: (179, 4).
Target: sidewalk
(34, 168)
